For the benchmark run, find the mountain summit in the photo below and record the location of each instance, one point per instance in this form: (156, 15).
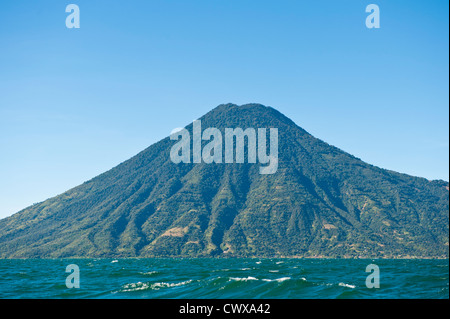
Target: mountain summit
(321, 202)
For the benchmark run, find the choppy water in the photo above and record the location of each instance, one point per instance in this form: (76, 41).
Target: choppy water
(223, 278)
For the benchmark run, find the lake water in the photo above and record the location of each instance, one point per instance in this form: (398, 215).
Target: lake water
(224, 278)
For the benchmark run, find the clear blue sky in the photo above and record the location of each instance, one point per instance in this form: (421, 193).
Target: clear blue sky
(76, 102)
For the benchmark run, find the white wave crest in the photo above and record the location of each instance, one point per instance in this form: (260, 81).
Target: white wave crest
(243, 279)
(278, 279)
(167, 284)
(149, 272)
(135, 287)
(158, 285)
(346, 285)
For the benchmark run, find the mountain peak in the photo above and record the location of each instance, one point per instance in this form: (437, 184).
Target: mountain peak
(253, 115)
(228, 107)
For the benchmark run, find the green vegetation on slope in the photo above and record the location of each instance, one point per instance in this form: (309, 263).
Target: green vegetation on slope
(321, 202)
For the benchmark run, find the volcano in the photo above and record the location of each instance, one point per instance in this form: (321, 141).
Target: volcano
(320, 202)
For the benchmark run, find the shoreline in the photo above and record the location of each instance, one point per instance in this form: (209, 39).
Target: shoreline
(263, 258)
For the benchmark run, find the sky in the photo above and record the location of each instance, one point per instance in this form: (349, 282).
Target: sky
(76, 102)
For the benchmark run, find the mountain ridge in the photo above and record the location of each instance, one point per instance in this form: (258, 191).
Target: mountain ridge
(322, 201)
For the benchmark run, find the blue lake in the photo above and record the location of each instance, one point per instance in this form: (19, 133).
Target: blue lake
(224, 278)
